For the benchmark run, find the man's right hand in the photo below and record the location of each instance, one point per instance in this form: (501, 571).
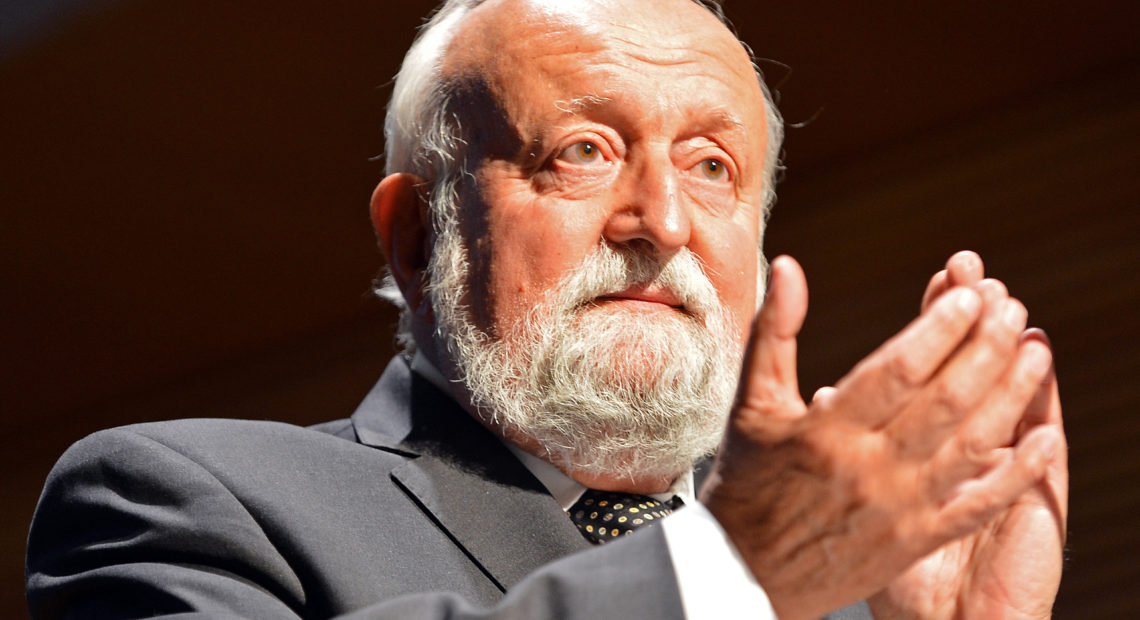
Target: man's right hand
(829, 501)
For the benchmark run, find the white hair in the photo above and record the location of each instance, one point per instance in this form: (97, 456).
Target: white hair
(424, 136)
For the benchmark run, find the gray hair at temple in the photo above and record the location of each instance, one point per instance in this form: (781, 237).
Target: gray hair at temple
(423, 135)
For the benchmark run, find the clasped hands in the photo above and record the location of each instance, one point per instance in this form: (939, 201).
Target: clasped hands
(931, 480)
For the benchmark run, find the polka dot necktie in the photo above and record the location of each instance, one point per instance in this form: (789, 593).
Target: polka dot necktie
(602, 516)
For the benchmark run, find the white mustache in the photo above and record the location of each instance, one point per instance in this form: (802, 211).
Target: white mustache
(610, 270)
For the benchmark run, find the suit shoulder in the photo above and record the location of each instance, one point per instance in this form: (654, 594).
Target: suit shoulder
(174, 434)
(221, 446)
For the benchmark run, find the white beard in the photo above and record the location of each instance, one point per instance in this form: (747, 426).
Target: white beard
(603, 390)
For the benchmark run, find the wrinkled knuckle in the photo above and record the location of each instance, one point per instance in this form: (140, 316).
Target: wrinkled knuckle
(975, 446)
(954, 398)
(993, 288)
(1000, 336)
(903, 368)
(995, 337)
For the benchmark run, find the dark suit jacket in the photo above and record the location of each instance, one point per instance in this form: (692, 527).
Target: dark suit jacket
(410, 509)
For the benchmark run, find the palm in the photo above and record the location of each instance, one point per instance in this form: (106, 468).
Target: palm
(1007, 569)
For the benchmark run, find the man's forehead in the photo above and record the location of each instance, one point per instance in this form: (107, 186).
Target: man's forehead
(642, 67)
(524, 33)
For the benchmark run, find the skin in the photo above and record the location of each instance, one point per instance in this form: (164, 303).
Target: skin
(637, 127)
(1011, 567)
(931, 478)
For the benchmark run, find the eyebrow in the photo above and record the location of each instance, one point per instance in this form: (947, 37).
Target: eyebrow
(726, 119)
(578, 105)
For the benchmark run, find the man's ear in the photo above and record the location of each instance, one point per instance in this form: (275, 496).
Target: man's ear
(399, 215)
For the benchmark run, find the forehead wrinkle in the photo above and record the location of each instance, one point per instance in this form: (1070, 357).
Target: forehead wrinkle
(657, 52)
(599, 100)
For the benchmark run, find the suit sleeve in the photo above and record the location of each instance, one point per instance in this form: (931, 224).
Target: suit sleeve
(128, 527)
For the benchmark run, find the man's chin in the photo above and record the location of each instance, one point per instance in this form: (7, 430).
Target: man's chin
(628, 362)
(632, 365)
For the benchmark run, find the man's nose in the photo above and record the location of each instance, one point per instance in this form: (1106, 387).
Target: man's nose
(651, 208)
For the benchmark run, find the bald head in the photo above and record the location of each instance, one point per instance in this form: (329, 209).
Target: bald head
(516, 53)
(501, 34)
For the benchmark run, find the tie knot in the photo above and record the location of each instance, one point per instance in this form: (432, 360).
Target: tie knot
(603, 515)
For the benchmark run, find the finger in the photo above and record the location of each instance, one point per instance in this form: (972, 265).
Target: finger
(994, 425)
(878, 388)
(939, 284)
(771, 385)
(970, 375)
(1045, 407)
(978, 500)
(965, 268)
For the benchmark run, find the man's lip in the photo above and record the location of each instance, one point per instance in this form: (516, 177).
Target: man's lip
(650, 294)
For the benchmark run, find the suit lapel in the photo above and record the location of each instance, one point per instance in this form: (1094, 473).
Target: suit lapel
(465, 479)
(509, 530)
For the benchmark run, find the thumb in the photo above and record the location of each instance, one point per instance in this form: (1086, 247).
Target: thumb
(770, 384)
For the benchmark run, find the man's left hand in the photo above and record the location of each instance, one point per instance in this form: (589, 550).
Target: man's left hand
(1011, 568)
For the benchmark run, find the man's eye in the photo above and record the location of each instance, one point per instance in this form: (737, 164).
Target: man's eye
(581, 153)
(714, 169)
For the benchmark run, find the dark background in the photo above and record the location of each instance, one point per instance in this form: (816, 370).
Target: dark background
(184, 191)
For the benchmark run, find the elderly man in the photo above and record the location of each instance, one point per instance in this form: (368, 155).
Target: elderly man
(572, 219)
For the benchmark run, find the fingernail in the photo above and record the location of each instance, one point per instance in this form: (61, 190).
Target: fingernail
(1038, 334)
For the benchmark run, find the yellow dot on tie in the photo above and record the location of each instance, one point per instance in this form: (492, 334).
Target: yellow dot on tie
(608, 516)
(617, 506)
(634, 510)
(644, 506)
(649, 516)
(603, 503)
(621, 519)
(637, 521)
(593, 515)
(602, 531)
(589, 528)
